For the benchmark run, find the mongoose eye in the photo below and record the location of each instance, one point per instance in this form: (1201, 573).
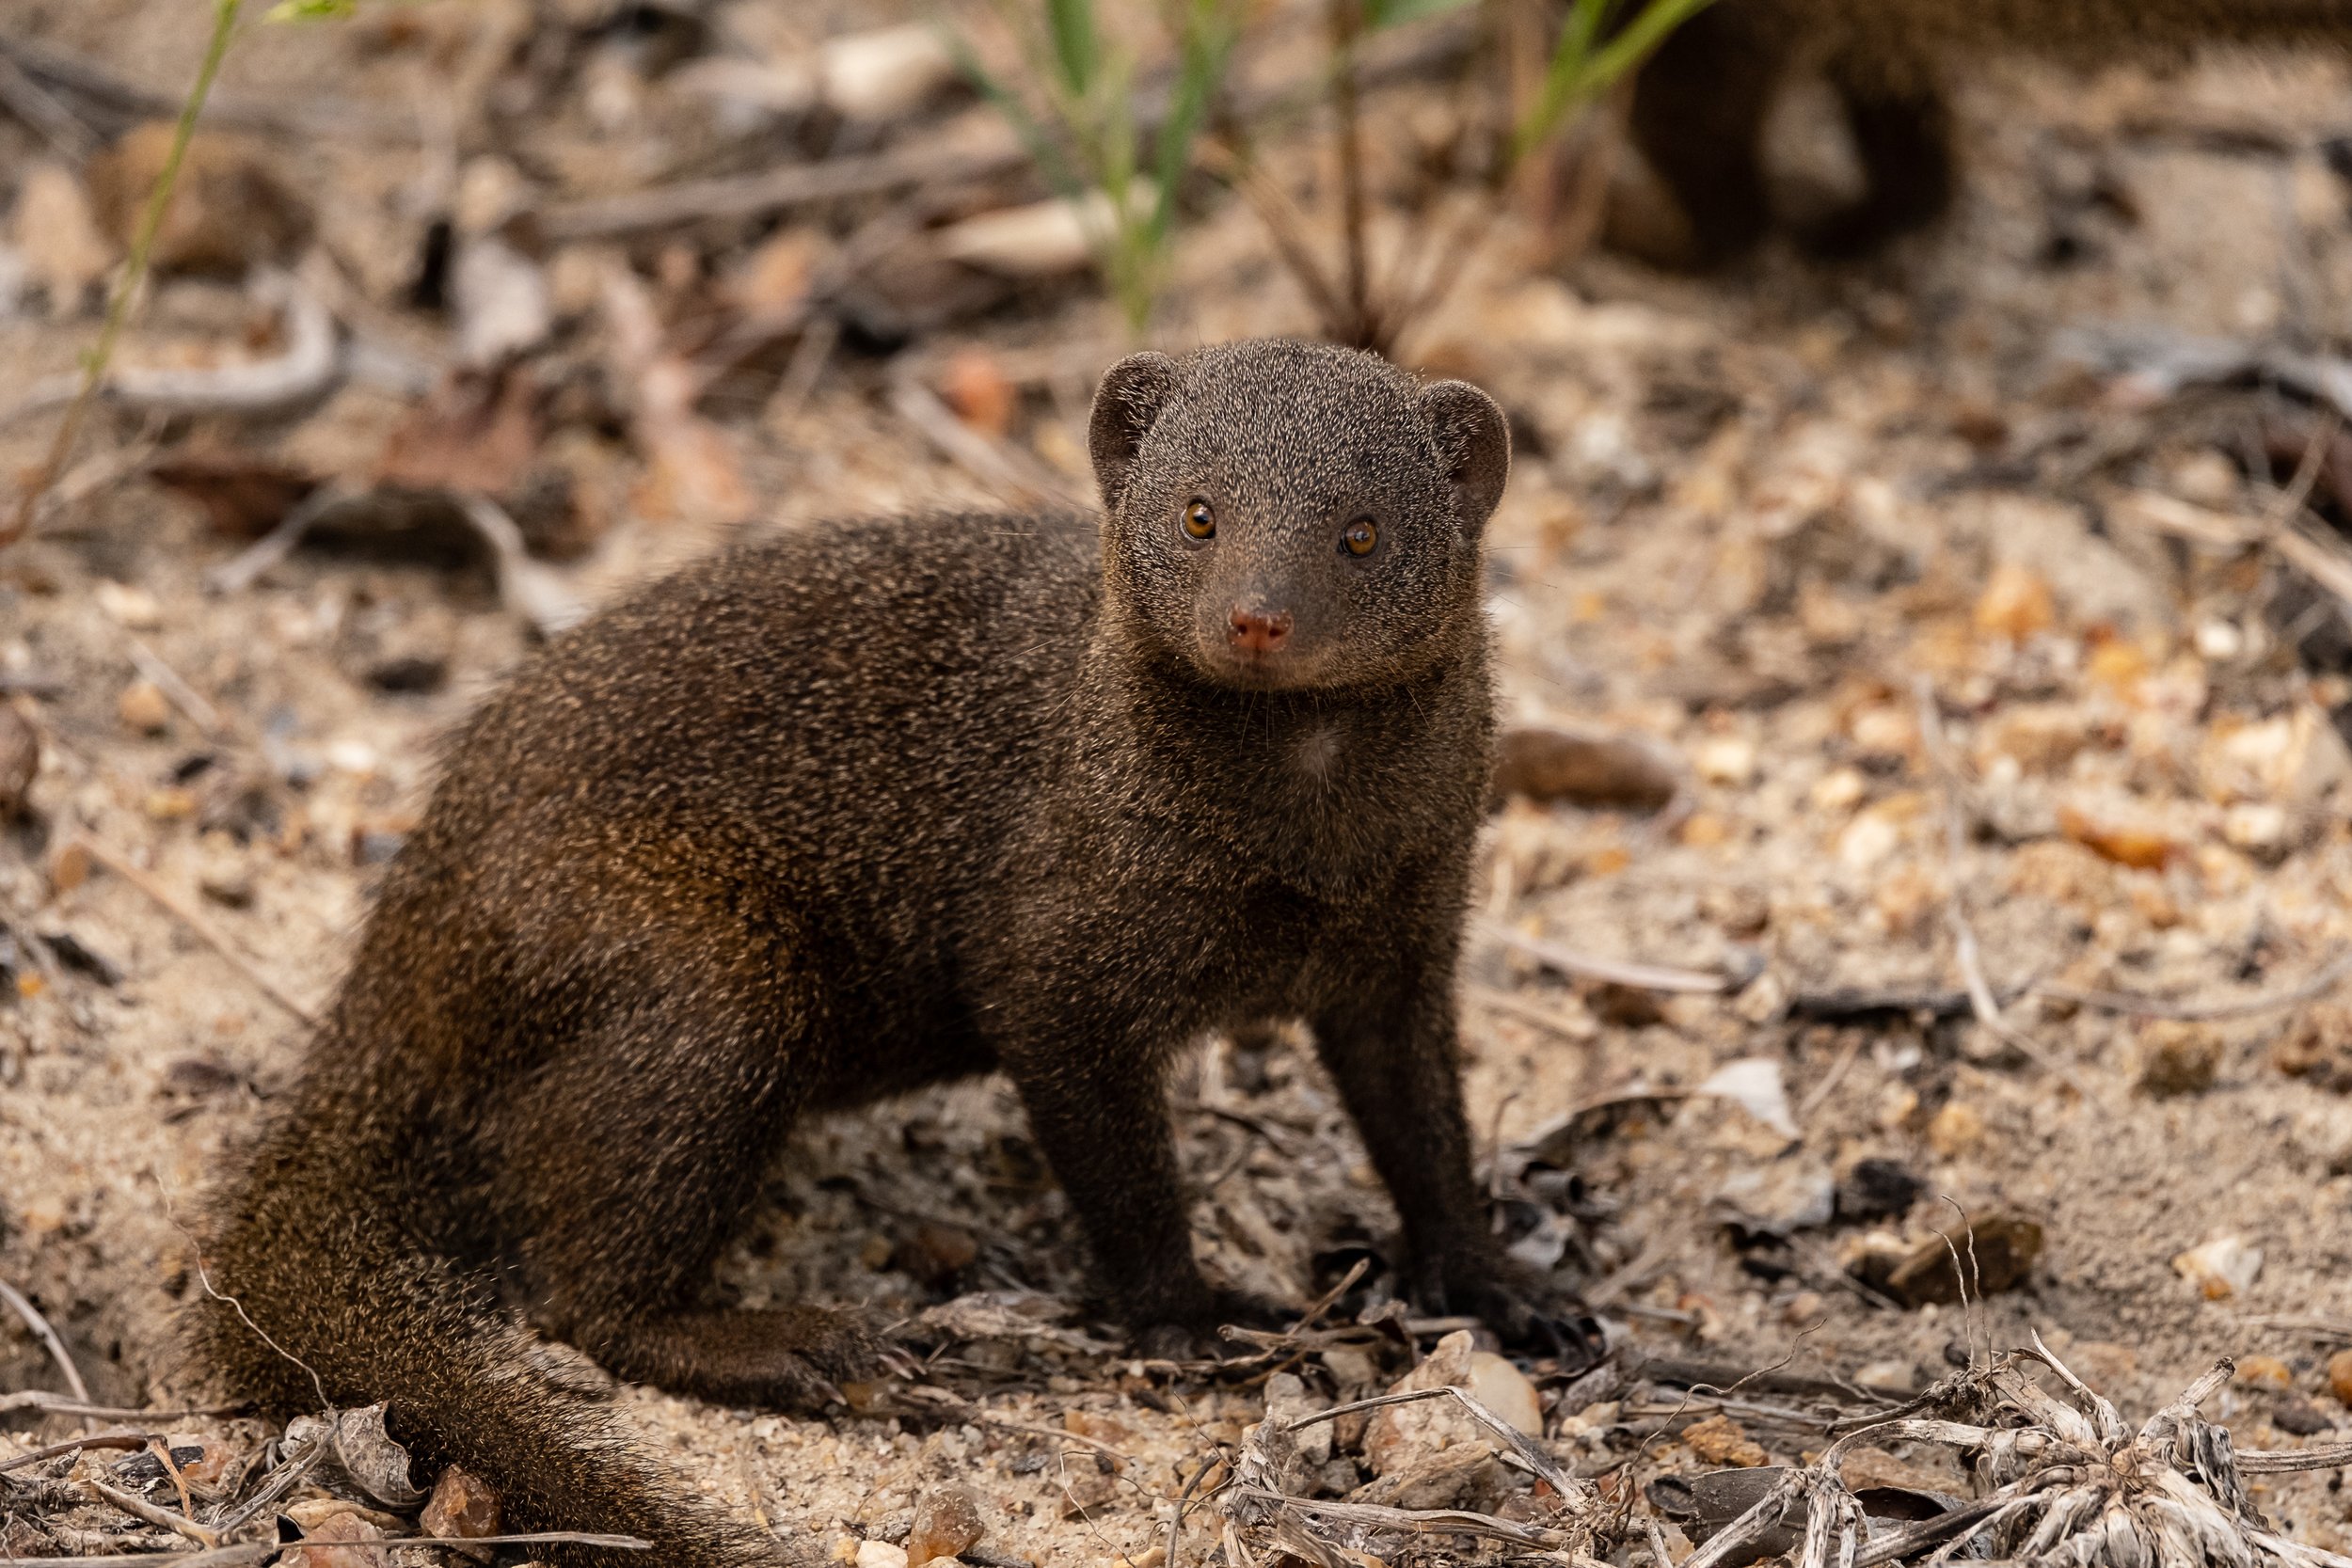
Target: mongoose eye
(1200, 521)
(1359, 537)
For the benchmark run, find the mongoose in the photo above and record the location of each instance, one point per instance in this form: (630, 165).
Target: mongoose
(870, 806)
(1700, 102)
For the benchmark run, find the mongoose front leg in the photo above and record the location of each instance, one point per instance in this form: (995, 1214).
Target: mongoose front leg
(1393, 1049)
(1102, 1121)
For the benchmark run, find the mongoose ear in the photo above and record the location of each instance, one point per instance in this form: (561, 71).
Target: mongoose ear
(1125, 405)
(1474, 444)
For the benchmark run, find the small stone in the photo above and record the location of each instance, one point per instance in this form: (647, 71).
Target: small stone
(947, 1525)
(1889, 1377)
(170, 804)
(225, 880)
(975, 386)
(230, 209)
(1877, 1190)
(2178, 1058)
(57, 235)
(1866, 1467)
(20, 762)
(324, 1545)
(2221, 1268)
(935, 1254)
(1502, 1389)
(1085, 1491)
(2141, 844)
(1997, 1253)
(2265, 1371)
(70, 867)
(1776, 1199)
(131, 609)
(2256, 827)
(880, 1554)
(2318, 1047)
(143, 708)
(1955, 1129)
(2296, 1415)
(1840, 790)
(2015, 604)
(1727, 760)
(1398, 1436)
(1721, 1440)
(2340, 1375)
(463, 1507)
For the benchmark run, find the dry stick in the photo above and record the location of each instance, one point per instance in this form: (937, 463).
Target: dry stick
(162, 1445)
(50, 1404)
(129, 1440)
(2319, 984)
(163, 1518)
(1362, 329)
(48, 1336)
(184, 697)
(1620, 971)
(202, 929)
(38, 107)
(133, 274)
(256, 1552)
(1964, 953)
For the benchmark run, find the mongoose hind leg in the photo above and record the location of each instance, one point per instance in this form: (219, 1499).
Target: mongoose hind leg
(1697, 117)
(1902, 126)
(636, 1159)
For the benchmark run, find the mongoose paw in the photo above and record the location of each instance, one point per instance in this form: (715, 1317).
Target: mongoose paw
(1196, 1336)
(1524, 1309)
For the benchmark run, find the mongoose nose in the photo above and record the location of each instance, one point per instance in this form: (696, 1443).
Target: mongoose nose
(1259, 631)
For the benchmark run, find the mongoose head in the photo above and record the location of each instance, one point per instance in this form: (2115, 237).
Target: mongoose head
(1288, 515)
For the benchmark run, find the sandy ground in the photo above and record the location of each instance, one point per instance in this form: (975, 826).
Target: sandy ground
(1750, 516)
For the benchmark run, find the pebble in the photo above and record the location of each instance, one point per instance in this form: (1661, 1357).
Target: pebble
(2265, 1371)
(880, 1554)
(1727, 760)
(463, 1507)
(1399, 1436)
(1721, 1440)
(229, 210)
(947, 1525)
(1998, 1251)
(142, 707)
(324, 1546)
(935, 1252)
(1085, 1491)
(58, 236)
(2015, 604)
(2178, 1058)
(2340, 1375)
(2222, 1268)
(1955, 1129)
(20, 760)
(131, 609)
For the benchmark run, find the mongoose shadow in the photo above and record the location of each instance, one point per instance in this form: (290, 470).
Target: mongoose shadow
(872, 806)
(1700, 103)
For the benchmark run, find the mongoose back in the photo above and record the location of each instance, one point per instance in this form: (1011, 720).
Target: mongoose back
(1700, 103)
(877, 805)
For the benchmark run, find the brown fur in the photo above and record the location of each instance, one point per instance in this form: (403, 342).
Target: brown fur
(1700, 103)
(883, 803)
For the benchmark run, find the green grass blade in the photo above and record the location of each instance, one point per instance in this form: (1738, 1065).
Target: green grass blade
(1077, 49)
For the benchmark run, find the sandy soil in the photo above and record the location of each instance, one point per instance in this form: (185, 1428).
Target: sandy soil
(1750, 515)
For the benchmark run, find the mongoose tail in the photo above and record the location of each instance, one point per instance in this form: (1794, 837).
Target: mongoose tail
(316, 1256)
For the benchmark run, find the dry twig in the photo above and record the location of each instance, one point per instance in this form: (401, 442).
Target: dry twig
(23, 1307)
(202, 929)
